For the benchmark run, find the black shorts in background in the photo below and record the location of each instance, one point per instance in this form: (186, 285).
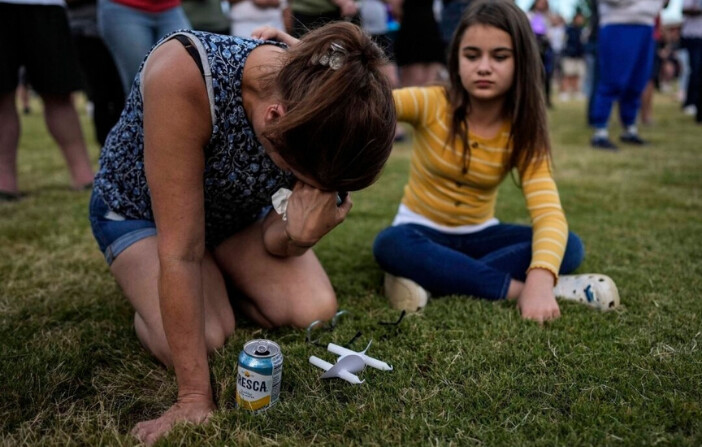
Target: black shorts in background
(38, 38)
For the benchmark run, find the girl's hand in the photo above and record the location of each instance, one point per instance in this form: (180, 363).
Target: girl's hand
(269, 33)
(312, 213)
(537, 301)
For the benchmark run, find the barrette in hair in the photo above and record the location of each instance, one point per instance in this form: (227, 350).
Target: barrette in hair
(334, 58)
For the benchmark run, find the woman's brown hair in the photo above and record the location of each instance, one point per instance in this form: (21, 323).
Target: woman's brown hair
(524, 106)
(339, 123)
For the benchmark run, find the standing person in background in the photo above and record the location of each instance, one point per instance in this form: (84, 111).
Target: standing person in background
(450, 17)
(247, 15)
(646, 110)
(557, 40)
(573, 62)
(540, 20)
(591, 65)
(206, 15)
(488, 123)
(311, 14)
(102, 82)
(35, 34)
(131, 27)
(374, 21)
(625, 56)
(691, 35)
(419, 49)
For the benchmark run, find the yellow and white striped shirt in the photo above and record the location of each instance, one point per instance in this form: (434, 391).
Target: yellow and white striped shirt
(438, 189)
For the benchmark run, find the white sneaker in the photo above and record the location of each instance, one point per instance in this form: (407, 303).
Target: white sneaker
(598, 291)
(405, 294)
(690, 110)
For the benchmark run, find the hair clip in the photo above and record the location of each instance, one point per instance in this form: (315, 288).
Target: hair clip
(334, 58)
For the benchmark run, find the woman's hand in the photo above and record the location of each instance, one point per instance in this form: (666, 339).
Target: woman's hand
(269, 33)
(193, 409)
(537, 301)
(312, 213)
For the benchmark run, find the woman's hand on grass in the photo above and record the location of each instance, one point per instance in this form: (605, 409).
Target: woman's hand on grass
(537, 301)
(193, 409)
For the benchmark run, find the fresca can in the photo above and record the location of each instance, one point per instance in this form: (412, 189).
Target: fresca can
(258, 379)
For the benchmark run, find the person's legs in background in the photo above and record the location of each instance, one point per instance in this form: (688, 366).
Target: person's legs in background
(130, 34)
(617, 65)
(45, 48)
(103, 84)
(168, 21)
(63, 123)
(641, 45)
(9, 139)
(692, 90)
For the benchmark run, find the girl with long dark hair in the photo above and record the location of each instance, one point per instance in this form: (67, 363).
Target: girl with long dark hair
(488, 122)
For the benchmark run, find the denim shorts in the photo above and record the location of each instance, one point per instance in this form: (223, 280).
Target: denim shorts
(115, 233)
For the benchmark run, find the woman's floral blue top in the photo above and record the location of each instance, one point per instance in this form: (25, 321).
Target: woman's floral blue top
(239, 177)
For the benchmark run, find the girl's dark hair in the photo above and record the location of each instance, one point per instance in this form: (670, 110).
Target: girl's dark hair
(339, 124)
(524, 105)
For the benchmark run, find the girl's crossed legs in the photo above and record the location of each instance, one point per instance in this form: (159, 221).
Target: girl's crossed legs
(481, 264)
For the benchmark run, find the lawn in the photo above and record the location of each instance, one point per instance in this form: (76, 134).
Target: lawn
(467, 372)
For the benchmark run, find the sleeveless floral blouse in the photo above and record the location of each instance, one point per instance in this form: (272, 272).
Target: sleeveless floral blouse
(239, 177)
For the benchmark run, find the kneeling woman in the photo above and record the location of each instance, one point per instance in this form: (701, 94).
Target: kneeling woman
(212, 128)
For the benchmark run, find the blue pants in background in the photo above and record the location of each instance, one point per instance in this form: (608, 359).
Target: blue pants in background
(129, 34)
(625, 58)
(479, 264)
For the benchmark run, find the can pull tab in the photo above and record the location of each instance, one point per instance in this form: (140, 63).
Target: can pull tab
(262, 349)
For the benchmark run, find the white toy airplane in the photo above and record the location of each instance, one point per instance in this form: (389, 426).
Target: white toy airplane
(349, 362)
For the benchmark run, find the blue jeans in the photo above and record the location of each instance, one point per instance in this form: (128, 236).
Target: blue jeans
(479, 264)
(130, 34)
(115, 234)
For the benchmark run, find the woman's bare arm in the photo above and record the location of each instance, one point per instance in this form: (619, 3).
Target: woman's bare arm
(176, 128)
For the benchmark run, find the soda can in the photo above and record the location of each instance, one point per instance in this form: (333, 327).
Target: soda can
(259, 373)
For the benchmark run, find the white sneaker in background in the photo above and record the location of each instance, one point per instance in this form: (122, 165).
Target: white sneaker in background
(690, 110)
(598, 291)
(405, 294)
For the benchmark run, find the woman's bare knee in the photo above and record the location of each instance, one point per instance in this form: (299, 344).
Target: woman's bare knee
(322, 307)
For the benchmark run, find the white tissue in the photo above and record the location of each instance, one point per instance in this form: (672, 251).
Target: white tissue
(280, 200)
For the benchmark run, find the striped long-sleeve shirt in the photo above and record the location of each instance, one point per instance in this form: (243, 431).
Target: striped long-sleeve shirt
(439, 190)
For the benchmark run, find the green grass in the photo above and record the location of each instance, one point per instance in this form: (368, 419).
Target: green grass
(467, 372)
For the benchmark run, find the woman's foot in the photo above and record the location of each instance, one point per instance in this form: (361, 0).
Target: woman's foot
(405, 294)
(598, 291)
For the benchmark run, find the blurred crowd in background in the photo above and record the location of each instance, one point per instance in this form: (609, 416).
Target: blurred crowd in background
(106, 41)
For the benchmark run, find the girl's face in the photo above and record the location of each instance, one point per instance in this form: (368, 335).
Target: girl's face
(486, 63)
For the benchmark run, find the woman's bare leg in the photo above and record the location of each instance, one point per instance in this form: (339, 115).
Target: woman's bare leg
(291, 291)
(137, 269)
